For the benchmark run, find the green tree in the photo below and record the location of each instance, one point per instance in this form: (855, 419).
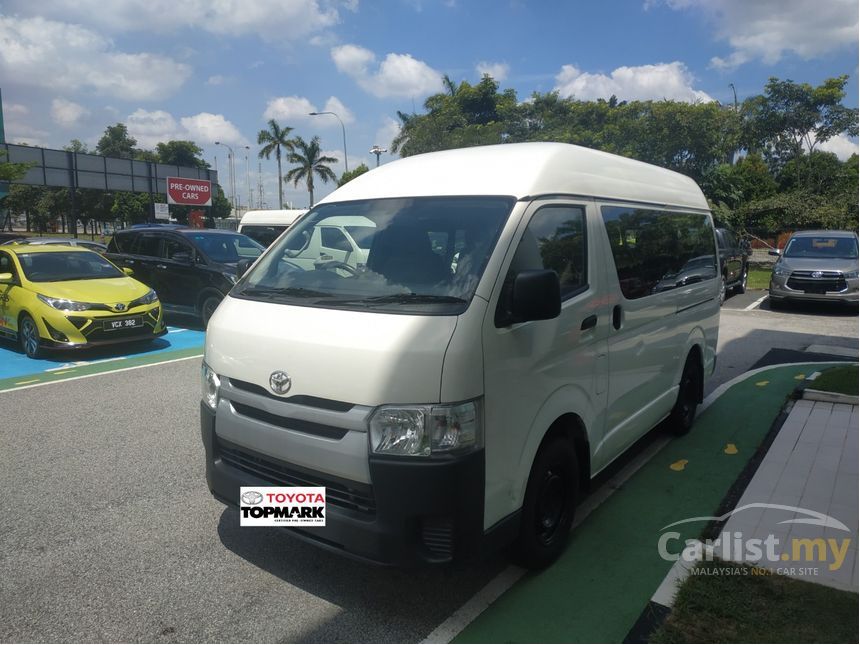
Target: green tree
(76, 145)
(181, 153)
(116, 142)
(275, 140)
(11, 171)
(790, 118)
(352, 174)
(221, 206)
(309, 162)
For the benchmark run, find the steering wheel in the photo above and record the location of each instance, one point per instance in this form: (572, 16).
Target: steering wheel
(336, 264)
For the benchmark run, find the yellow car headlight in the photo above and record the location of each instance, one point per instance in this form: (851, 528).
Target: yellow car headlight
(64, 305)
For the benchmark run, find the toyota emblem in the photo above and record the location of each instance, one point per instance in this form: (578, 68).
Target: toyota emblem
(817, 274)
(252, 497)
(120, 307)
(280, 382)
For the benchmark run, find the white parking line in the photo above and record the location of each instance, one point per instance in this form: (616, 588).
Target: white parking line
(76, 378)
(756, 303)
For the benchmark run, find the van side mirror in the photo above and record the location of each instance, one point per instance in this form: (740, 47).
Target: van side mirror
(5, 278)
(773, 252)
(536, 295)
(242, 266)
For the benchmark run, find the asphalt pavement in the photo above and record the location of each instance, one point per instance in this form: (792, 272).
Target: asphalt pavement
(110, 533)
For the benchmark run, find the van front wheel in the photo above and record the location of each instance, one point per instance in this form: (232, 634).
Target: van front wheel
(549, 504)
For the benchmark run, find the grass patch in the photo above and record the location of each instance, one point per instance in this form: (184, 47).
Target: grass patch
(758, 609)
(758, 278)
(842, 380)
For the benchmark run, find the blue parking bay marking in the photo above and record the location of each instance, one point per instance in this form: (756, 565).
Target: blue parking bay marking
(14, 363)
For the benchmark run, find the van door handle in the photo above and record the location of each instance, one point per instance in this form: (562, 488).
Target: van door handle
(589, 322)
(616, 316)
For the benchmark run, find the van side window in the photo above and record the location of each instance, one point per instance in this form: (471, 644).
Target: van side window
(657, 251)
(332, 238)
(555, 239)
(173, 246)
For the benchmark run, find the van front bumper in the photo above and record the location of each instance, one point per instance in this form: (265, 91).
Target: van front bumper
(428, 511)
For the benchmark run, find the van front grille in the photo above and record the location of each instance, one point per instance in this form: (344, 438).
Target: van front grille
(350, 495)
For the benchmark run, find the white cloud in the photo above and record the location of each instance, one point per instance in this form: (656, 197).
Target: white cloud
(67, 113)
(385, 134)
(499, 71)
(274, 20)
(398, 75)
(15, 109)
(662, 81)
(219, 79)
(66, 57)
(840, 145)
(155, 126)
(208, 128)
(767, 30)
(297, 109)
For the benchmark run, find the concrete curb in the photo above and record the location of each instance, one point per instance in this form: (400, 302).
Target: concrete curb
(829, 397)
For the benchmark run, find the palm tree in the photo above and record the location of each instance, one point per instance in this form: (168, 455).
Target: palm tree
(310, 162)
(273, 140)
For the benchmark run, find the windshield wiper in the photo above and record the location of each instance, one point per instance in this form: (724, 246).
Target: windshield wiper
(296, 292)
(401, 299)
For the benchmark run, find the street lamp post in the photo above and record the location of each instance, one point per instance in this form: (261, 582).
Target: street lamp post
(248, 178)
(376, 150)
(345, 164)
(232, 158)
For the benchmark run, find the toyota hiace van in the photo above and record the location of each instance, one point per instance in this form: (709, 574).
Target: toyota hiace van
(524, 314)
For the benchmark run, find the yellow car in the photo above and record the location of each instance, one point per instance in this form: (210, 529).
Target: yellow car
(64, 297)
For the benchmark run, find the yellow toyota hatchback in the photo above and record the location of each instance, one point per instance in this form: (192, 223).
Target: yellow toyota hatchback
(63, 297)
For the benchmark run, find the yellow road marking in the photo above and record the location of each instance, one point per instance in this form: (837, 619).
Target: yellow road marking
(800, 377)
(64, 372)
(731, 449)
(762, 383)
(679, 465)
(35, 380)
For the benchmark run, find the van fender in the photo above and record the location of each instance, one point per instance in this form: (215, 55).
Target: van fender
(695, 339)
(567, 400)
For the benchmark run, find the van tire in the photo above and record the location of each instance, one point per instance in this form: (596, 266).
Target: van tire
(549, 504)
(723, 293)
(684, 413)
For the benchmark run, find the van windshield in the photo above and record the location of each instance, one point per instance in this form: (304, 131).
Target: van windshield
(410, 255)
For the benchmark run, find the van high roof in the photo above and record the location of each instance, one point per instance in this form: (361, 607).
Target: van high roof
(525, 170)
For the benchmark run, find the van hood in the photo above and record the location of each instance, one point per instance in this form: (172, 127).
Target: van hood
(363, 358)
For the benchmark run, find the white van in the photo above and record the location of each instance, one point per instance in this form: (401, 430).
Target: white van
(525, 313)
(264, 226)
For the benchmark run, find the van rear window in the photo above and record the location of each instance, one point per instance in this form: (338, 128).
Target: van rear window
(657, 251)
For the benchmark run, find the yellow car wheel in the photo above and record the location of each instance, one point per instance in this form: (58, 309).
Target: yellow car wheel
(28, 335)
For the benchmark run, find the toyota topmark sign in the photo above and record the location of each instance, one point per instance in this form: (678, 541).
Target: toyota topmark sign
(189, 192)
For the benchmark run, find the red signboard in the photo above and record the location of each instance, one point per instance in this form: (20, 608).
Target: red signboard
(189, 192)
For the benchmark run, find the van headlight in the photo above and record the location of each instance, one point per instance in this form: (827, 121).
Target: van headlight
(425, 430)
(851, 275)
(781, 271)
(211, 384)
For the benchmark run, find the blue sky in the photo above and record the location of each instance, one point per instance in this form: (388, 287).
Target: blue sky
(217, 70)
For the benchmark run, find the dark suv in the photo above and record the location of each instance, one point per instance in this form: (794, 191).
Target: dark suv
(190, 269)
(734, 263)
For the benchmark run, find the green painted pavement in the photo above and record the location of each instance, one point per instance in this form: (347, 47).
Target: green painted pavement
(611, 568)
(99, 367)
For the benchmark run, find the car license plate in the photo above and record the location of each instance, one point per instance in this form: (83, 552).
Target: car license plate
(123, 323)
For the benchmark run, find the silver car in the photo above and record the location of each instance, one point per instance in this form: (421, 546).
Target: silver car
(816, 265)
